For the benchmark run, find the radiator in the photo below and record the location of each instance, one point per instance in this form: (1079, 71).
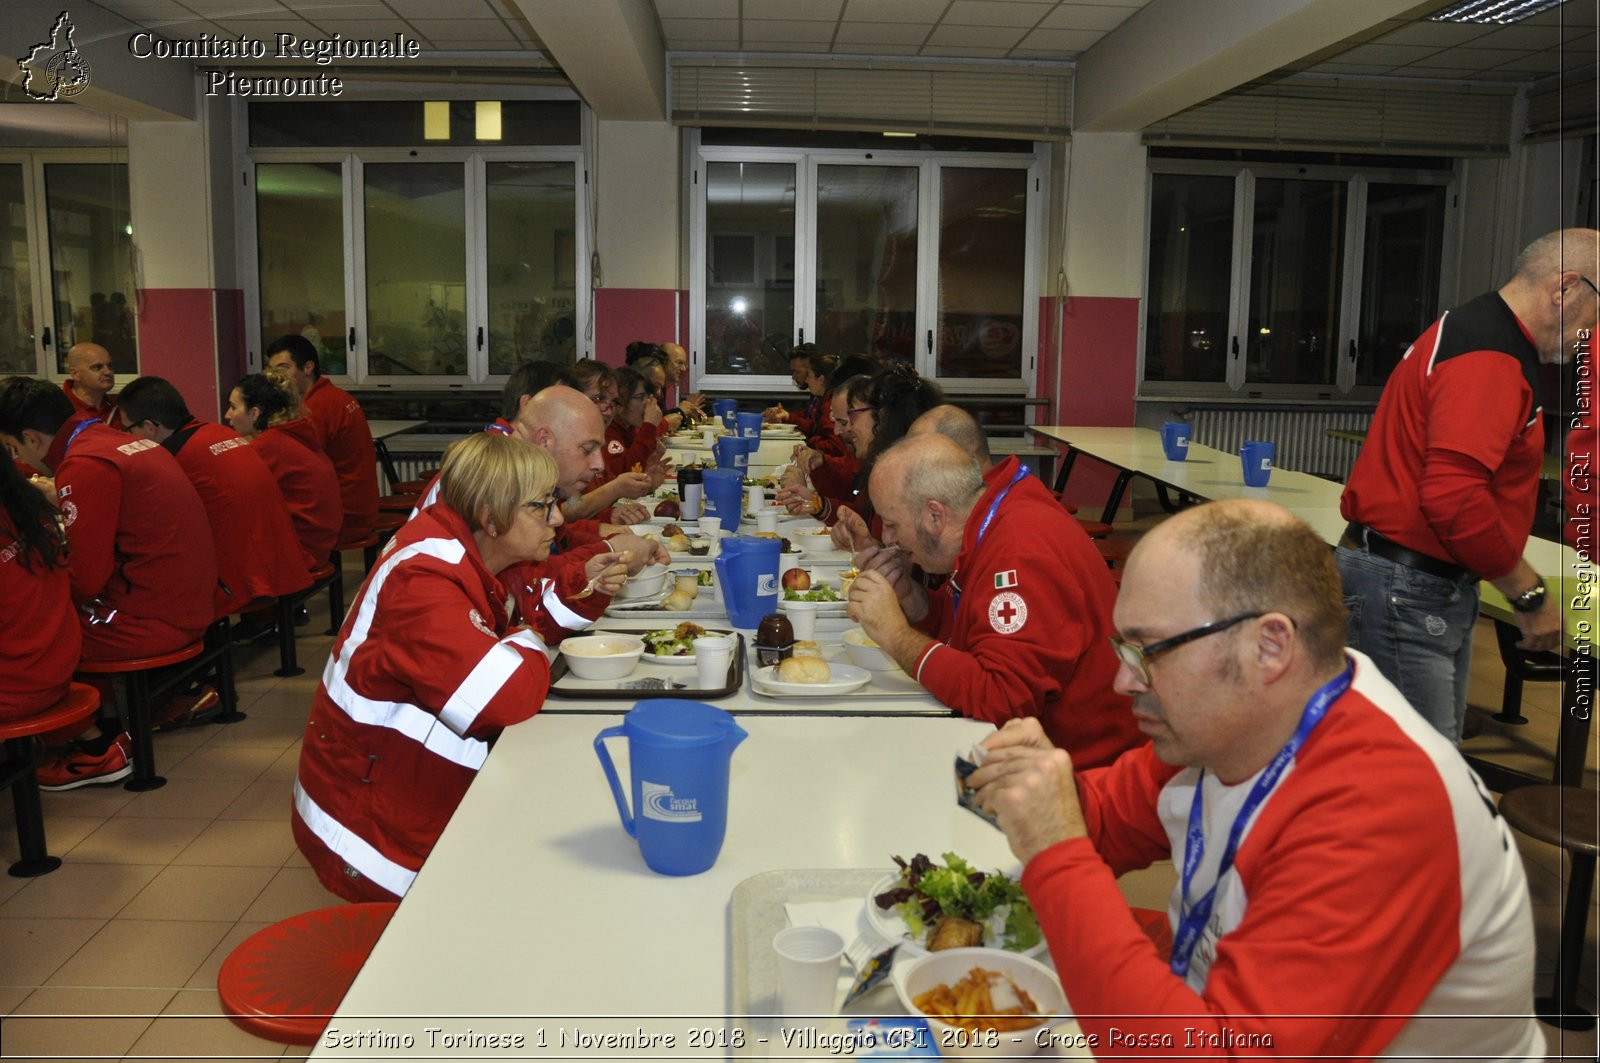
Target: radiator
(412, 466)
(1301, 435)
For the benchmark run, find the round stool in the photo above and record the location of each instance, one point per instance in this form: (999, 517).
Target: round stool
(285, 982)
(19, 768)
(414, 487)
(136, 677)
(1095, 529)
(403, 503)
(1564, 816)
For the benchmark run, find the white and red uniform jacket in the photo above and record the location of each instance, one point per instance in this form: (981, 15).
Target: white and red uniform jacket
(141, 546)
(309, 484)
(42, 639)
(347, 441)
(627, 447)
(1375, 886)
(258, 554)
(1024, 624)
(427, 670)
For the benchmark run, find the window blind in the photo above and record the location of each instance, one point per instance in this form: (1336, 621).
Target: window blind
(1022, 102)
(1564, 106)
(1341, 114)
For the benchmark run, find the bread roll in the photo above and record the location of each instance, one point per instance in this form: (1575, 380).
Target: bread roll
(804, 670)
(807, 648)
(678, 602)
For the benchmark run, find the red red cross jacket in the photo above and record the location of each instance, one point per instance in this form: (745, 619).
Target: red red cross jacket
(138, 532)
(258, 555)
(627, 447)
(427, 670)
(42, 639)
(1031, 633)
(309, 484)
(347, 441)
(105, 413)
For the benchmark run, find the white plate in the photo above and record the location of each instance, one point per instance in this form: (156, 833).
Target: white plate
(846, 677)
(838, 558)
(825, 610)
(888, 924)
(686, 659)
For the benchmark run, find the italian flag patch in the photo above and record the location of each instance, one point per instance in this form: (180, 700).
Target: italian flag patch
(1005, 579)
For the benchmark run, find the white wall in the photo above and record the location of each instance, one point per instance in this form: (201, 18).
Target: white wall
(1106, 183)
(637, 209)
(173, 195)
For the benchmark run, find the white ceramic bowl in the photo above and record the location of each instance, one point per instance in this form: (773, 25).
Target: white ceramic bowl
(649, 580)
(913, 977)
(609, 656)
(863, 655)
(818, 541)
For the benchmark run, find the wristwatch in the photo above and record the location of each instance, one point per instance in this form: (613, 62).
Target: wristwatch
(1531, 599)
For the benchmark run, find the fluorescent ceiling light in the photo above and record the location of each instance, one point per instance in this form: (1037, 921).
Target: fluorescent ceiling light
(435, 120)
(488, 120)
(1493, 12)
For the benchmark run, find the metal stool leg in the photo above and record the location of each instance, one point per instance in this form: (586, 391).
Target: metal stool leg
(36, 859)
(288, 657)
(144, 753)
(1563, 1010)
(336, 594)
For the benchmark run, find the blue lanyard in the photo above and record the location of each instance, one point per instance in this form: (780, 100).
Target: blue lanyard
(1022, 470)
(75, 433)
(497, 427)
(1195, 916)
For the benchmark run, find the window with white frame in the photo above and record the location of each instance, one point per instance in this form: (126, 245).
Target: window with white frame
(421, 265)
(922, 256)
(1280, 280)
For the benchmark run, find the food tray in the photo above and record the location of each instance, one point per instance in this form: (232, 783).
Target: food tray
(564, 684)
(896, 684)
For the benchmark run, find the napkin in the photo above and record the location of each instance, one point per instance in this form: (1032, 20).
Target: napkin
(845, 917)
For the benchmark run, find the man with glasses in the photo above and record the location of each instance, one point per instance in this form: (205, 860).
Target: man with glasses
(1343, 875)
(1444, 490)
(1020, 628)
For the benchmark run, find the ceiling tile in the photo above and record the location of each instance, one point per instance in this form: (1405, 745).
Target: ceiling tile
(787, 30)
(818, 10)
(993, 13)
(700, 29)
(1435, 34)
(266, 31)
(360, 30)
(1470, 58)
(1535, 63)
(246, 8)
(694, 44)
(1086, 17)
(139, 10)
(1004, 37)
(1568, 14)
(697, 9)
(881, 33)
(189, 29)
(1042, 53)
(1061, 40)
(462, 29)
(433, 9)
(797, 47)
(925, 11)
(504, 44)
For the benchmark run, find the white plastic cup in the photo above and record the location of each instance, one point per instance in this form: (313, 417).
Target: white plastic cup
(711, 527)
(756, 500)
(712, 655)
(708, 436)
(767, 519)
(808, 970)
(802, 617)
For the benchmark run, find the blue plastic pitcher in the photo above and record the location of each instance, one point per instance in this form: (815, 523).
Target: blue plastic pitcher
(750, 425)
(747, 574)
(1256, 457)
(1175, 440)
(726, 411)
(733, 452)
(678, 754)
(723, 493)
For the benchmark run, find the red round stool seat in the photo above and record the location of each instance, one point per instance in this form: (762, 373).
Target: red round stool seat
(398, 503)
(80, 703)
(413, 487)
(1114, 549)
(141, 664)
(358, 544)
(322, 571)
(389, 520)
(285, 982)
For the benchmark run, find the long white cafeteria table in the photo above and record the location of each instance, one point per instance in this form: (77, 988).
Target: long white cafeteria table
(536, 916)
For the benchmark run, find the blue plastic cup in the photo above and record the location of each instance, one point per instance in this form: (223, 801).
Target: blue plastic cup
(1256, 456)
(1175, 440)
(678, 756)
(733, 452)
(723, 493)
(750, 425)
(747, 573)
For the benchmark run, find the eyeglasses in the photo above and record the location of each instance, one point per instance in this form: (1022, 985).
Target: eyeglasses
(542, 506)
(1137, 657)
(1590, 283)
(851, 413)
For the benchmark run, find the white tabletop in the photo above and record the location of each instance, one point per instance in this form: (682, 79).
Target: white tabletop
(536, 906)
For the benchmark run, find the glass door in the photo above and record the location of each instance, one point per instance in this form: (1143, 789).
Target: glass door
(19, 352)
(532, 264)
(750, 267)
(300, 257)
(866, 260)
(415, 258)
(90, 263)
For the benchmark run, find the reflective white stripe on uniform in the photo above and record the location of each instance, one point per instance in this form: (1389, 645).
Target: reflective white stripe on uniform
(1438, 338)
(490, 674)
(351, 847)
(558, 610)
(410, 720)
(429, 497)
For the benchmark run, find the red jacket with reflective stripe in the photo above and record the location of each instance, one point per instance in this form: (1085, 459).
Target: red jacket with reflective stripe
(309, 484)
(347, 441)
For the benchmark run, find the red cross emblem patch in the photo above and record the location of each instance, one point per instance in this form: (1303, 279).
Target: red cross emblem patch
(1008, 612)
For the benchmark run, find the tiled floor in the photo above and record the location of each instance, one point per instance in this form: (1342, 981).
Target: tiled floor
(117, 952)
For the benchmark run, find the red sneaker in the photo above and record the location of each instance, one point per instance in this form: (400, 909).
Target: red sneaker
(79, 767)
(184, 710)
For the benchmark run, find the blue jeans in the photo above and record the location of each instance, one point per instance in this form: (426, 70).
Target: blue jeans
(1417, 628)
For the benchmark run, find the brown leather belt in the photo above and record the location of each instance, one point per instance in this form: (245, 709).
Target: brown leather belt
(1360, 537)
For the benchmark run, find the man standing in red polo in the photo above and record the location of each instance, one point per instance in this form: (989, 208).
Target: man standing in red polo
(343, 429)
(142, 565)
(90, 380)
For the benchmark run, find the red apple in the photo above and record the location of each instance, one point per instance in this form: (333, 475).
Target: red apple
(668, 508)
(797, 579)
